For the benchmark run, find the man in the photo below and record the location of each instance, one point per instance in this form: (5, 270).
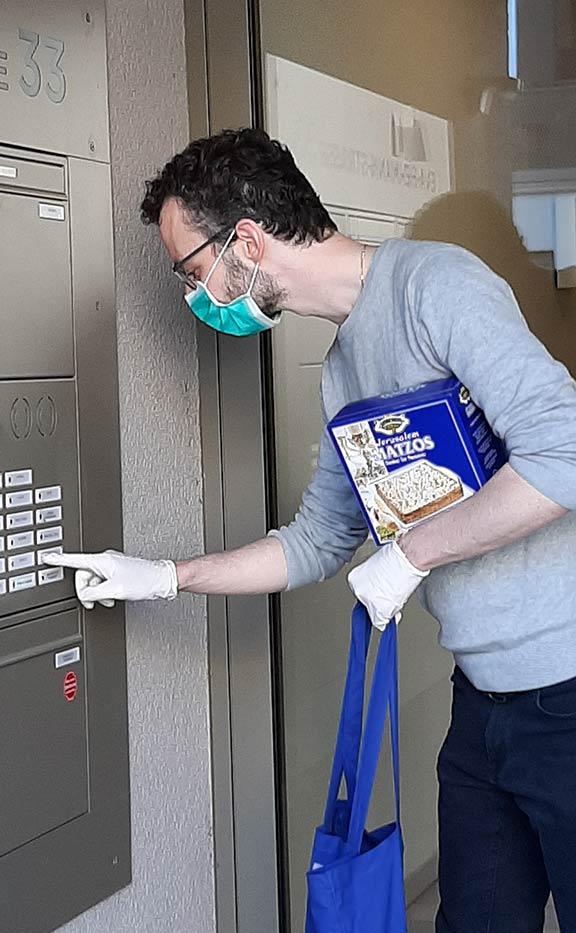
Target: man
(248, 237)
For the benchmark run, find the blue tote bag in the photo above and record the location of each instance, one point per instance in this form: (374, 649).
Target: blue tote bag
(355, 881)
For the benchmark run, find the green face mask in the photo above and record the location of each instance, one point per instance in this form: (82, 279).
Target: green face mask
(238, 318)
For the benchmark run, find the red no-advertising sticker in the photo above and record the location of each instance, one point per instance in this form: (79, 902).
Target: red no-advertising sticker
(70, 686)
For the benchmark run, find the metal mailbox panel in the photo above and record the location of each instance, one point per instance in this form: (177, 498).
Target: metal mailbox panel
(24, 633)
(36, 302)
(85, 856)
(44, 779)
(32, 174)
(64, 777)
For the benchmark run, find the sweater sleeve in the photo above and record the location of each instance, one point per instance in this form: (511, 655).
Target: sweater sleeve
(468, 321)
(329, 525)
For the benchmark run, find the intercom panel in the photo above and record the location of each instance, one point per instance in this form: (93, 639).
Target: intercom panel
(64, 781)
(39, 498)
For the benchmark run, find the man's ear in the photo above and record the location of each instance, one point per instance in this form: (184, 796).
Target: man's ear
(251, 240)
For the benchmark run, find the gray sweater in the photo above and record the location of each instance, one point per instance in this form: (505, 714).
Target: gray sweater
(429, 310)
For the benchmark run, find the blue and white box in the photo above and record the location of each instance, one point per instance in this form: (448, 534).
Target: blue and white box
(412, 455)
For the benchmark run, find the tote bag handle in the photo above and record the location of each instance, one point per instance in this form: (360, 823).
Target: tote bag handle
(383, 696)
(350, 726)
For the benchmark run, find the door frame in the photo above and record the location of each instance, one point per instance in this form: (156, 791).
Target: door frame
(237, 437)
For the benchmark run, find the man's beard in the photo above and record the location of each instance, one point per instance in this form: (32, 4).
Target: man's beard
(269, 297)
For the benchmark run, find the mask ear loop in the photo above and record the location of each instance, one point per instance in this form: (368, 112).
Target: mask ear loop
(253, 279)
(219, 257)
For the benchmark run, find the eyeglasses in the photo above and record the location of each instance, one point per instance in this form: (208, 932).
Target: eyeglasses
(178, 267)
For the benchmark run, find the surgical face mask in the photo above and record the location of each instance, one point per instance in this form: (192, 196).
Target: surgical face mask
(238, 318)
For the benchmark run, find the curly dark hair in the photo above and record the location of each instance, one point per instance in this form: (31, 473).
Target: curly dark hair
(237, 174)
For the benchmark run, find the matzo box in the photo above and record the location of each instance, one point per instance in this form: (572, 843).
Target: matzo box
(410, 456)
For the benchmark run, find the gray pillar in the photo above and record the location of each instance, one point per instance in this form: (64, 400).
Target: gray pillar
(173, 886)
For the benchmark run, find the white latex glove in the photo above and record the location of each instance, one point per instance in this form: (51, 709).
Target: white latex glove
(384, 583)
(111, 575)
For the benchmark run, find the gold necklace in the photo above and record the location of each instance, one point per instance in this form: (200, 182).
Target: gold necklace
(362, 272)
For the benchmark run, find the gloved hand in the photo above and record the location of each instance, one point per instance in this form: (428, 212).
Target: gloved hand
(111, 575)
(384, 582)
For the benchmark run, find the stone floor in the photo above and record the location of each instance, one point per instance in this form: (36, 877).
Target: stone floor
(422, 912)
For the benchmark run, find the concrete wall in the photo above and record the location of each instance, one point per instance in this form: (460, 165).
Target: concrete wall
(173, 887)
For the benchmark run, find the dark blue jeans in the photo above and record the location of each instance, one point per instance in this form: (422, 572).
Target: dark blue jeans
(507, 810)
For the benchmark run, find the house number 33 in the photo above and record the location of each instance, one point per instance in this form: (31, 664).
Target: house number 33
(33, 75)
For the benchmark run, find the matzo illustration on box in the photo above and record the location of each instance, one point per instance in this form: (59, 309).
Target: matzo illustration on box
(409, 456)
